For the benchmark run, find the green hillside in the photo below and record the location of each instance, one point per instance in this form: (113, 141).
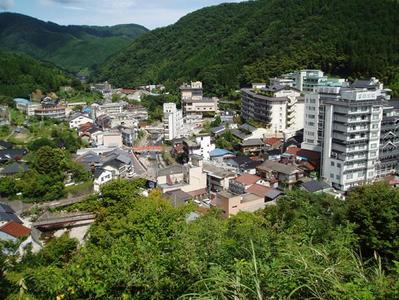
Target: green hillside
(230, 45)
(21, 74)
(70, 47)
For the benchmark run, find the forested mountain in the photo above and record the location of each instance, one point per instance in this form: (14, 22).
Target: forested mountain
(21, 74)
(230, 45)
(70, 47)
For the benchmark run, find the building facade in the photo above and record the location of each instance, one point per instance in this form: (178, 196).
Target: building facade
(172, 121)
(281, 108)
(352, 128)
(194, 102)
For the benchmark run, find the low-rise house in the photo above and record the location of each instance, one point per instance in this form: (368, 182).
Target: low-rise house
(12, 231)
(273, 143)
(14, 169)
(78, 120)
(218, 178)
(190, 177)
(220, 154)
(118, 162)
(267, 193)
(217, 131)
(248, 132)
(286, 175)
(240, 184)
(178, 197)
(315, 186)
(252, 146)
(243, 164)
(231, 204)
(101, 177)
(7, 214)
(12, 154)
(227, 117)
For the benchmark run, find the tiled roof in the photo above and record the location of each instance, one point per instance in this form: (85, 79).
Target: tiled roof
(247, 179)
(273, 141)
(259, 190)
(293, 150)
(315, 186)
(14, 229)
(270, 165)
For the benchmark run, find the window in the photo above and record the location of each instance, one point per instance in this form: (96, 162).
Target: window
(337, 177)
(373, 146)
(374, 126)
(332, 164)
(332, 176)
(349, 176)
(375, 117)
(371, 174)
(338, 165)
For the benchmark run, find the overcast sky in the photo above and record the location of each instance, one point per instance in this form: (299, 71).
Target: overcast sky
(150, 13)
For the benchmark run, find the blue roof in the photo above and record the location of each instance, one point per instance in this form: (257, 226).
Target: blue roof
(219, 152)
(21, 101)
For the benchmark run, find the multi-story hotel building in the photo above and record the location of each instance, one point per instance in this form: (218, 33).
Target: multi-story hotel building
(279, 107)
(347, 124)
(194, 102)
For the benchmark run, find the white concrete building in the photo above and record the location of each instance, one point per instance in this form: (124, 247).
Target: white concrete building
(172, 121)
(79, 120)
(344, 124)
(203, 145)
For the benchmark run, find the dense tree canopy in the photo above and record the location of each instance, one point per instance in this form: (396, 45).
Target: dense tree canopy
(73, 48)
(231, 45)
(20, 75)
(144, 248)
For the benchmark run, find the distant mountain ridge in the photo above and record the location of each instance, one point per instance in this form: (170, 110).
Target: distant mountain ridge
(71, 47)
(231, 45)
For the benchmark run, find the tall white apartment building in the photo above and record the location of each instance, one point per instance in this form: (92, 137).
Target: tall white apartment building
(172, 121)
(344, 124)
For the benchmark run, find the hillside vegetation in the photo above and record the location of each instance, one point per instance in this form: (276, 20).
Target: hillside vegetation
(231, 45)
(20, 75)
(309, 246)
(71, 47)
